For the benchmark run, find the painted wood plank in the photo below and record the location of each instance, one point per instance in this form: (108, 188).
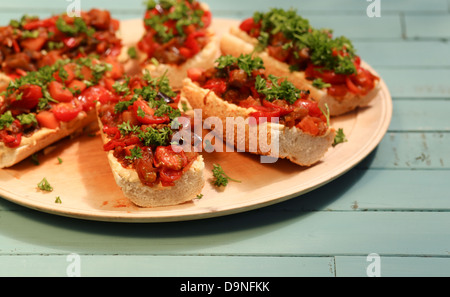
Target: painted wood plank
(257, 233)
(393, 266)
(360, 26)
(408, 54)
(411, 151)
(416, 82)
(164, 266)
(377, 190)
(420, 115)
(428, 26)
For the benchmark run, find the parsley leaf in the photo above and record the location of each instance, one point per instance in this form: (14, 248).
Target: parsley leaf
(79, 26)
(340, 137)
(136, 153)
(220, 178)
(244, 62)
(27, 119)
(155, 137)
(6, 120)
(282, 91)
(44, 185)
(320, 84)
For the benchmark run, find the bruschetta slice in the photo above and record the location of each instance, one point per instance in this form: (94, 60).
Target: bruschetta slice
(273, 117)
(47, 105)
(312, 59)
(137, 131)
(177, 37)
(30, 43)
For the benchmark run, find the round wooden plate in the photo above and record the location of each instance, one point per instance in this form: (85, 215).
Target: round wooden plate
(84, 186)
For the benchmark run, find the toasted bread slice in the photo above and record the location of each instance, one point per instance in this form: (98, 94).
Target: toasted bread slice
(299, 147)
(184, 190)
(238, 42)
(43, 138)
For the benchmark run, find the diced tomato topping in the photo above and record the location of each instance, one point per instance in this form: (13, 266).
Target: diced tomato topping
(59, 92)
(247, 25)
(337, 90)
(66, 112)
(10, 140)
(168, 177)
(66, 76)
(312, 107)
(77, 85)
(328, 76)
(96, 93)
(217, 85)
(47, 119)
(146, 115)
(310, 125)
(34, 44)
(30, 97)
(194, 73)
(166, 157)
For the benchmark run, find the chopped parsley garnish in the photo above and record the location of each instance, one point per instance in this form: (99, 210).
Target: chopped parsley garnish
(176, 11)
(6, 120)
(244, 62)
(136, 153)
(44, 185)
(79, 26)
(320, 84)
(155, 137)
(132, 53)
(126, 128)
(220, 177)
(340, 137)
(335, 54)
(283, 90)
(27, 119)
(58, 200)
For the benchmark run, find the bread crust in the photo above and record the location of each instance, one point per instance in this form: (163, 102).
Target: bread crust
(293, 144)
(185, 189)
(43, 138)
(238, 42)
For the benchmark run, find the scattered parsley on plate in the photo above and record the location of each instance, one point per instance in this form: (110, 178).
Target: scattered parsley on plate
(220, 178)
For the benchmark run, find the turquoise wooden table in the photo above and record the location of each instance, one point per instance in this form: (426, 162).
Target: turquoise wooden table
(388, 216)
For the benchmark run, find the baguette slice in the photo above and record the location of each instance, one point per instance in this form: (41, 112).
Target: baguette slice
(137, 132)
(176, 73)
(184, 190)
(238, 42)
(293, 144)
(69, 122)
(43, 138)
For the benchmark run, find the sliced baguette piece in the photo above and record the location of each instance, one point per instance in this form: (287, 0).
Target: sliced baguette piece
(238, 42)
(43, 138)
(185, 189)
(293, 144)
